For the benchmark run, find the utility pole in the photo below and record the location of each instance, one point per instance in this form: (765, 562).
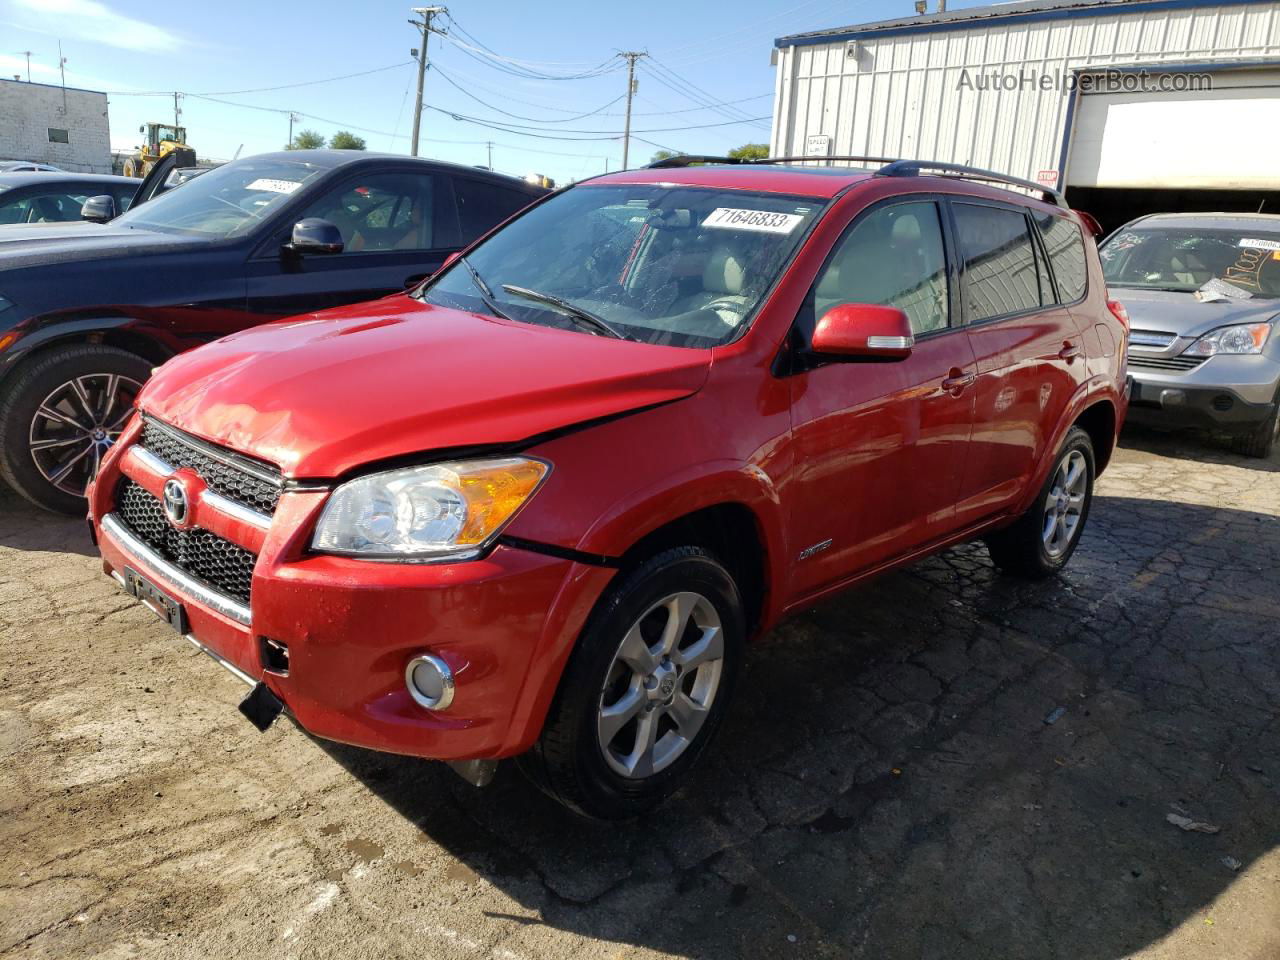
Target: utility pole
(27, 53)
(292, 117)
(427, 14)
(177, 111)
(489, 144)
(631, 57)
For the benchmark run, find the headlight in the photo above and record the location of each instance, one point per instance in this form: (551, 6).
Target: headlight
(445, 511)
(1242, 338)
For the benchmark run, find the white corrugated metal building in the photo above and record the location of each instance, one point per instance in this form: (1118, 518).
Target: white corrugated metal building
(1130, 105)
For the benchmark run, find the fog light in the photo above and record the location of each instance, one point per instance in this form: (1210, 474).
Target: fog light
(1172, 398)
(430, 681)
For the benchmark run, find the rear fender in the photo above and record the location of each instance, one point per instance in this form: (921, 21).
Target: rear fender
(1088, 394)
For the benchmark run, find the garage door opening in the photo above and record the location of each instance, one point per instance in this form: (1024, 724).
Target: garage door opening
(1114, 207)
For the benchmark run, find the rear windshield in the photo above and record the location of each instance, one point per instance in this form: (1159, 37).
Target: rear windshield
(675, 265)
(1184, 259)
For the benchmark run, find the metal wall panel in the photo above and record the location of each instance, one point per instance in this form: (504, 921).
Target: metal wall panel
(906, 95)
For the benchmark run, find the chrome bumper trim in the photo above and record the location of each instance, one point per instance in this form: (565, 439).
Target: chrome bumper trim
(162, 569)
(151, 461)
(221, 661)
(232, 509)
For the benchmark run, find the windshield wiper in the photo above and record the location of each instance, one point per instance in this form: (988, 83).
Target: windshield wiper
(584, 317)
(486, 294)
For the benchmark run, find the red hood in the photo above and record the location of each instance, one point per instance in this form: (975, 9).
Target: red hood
(321, 394)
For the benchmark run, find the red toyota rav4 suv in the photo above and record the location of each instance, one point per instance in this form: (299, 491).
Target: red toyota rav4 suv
(537, 507)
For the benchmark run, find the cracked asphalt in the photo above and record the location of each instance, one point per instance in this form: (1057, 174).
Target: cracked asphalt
(886, 786)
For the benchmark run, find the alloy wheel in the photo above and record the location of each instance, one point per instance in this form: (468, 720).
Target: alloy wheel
(75, 424)
(661, 685)
(1064, 507)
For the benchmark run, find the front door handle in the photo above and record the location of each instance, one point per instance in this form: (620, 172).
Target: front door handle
(957, 380)
(1069, 351)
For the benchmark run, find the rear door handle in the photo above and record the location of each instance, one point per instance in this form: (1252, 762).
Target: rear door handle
(1068, 352)
(957, 381)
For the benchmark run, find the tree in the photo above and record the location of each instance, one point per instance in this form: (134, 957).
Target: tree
(750, 151)
(306, 140)
(345, 140)
(662, 155)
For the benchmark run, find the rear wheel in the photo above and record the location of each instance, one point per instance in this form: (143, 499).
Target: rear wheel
(60, 415)
(645, 689)
(1042, 540)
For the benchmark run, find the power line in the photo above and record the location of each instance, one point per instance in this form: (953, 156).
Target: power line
(590, 113)
(692, 90)
(521, 128)
(284, 86)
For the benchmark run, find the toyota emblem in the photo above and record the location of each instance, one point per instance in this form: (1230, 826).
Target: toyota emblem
(176, 504)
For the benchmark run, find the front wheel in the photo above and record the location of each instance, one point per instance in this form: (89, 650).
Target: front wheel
(58, 417)
(1263, 439)
(645, 689)
(1042, 540)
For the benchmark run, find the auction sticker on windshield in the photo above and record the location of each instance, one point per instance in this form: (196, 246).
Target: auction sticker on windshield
(762, 221)
(275, 186)
(1255, 244)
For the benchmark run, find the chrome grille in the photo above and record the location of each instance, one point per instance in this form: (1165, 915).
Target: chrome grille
(1164, 363)
(1155, 339)
(252, 483)
(215, 562)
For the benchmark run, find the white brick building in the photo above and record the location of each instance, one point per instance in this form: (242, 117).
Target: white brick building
(66, 127)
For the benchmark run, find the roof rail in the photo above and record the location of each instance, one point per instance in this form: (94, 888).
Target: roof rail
(891, 167)
(914, 168)
(688, 160)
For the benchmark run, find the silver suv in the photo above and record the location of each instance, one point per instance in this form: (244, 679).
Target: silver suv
(1203, 295)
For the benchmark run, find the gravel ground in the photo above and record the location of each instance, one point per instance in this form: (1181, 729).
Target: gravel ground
(887, 785)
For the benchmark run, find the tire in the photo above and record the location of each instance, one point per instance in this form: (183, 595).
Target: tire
(1029, 548)
(74, 383)
(583, 756)
(1263, 439)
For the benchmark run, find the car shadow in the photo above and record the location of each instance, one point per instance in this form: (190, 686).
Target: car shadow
(1190, 444)
(24, 526)
(942, 763)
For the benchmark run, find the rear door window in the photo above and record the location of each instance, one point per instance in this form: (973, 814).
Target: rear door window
(1000, 271)
(1065, 244)
(482, 206)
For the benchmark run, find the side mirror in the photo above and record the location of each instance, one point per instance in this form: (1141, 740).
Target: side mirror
(98, 209)
(854, 331)
(314, 235)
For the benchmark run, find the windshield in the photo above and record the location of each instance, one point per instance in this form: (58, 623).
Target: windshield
(225, 202)
(681, 266)
(1186, 258)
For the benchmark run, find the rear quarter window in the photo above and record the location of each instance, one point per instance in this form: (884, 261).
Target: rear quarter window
(1065, 244)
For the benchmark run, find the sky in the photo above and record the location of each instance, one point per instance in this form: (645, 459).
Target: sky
(548, 76)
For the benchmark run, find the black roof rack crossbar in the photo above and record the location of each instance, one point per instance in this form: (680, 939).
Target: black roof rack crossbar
(914, 168)
(688, 160)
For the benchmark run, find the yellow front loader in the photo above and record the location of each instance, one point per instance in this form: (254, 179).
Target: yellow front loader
(162, 140)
